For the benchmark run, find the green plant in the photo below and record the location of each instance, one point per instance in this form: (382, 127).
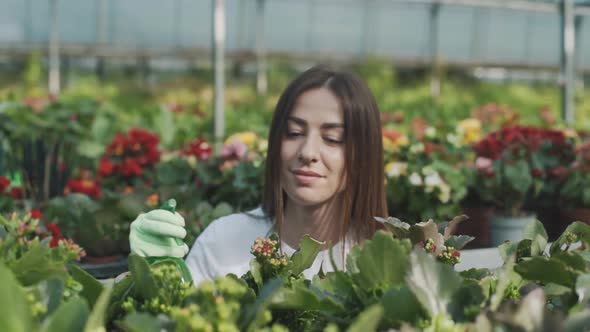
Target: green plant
(513, 164)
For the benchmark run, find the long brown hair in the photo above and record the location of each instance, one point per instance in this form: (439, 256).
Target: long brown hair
(364, 193)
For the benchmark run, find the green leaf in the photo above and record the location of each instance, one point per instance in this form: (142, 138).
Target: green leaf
(433, 283)
(458, 242)
(518, 176)
(547, 270)
(453, 224)
(507, 249)
(423, 231)
(382, 262)
(256, 271)
(96, 321)
(141, 322)
(299, 297)
(304, 257)
(368, 320)
(146, 284)
(90, 149)
(531, 310)
(475, 274)
(121, 290)
(174, 172)
(579, 321)
(92, 288)
(401, 305)
(16, 316)
(552, 289)
(36, 265)
(252, 317)
(70, 316)
(583, 288)
(573, 260)
(399, 228)
(221, 210)
(524, 248)
(50, 292)
(469, 295)
(579, 228)
(535, 231)
(165, 127)
(505, 277)
(585, 256)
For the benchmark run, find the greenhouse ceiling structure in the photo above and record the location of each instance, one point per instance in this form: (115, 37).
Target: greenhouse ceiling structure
(487, 32)
(541, 34)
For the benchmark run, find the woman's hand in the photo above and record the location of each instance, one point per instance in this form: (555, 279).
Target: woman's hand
(158, 233)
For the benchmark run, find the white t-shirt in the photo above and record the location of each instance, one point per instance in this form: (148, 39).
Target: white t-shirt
(224, 247)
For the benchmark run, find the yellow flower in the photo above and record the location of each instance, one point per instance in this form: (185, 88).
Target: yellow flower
(470, 124)
(394, 169)
(570, 133)
(249, 138)
(469, 130)
(393, 141)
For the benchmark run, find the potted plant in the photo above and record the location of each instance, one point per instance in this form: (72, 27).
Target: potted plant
(575, 188)
(423, 181)
(511, 174)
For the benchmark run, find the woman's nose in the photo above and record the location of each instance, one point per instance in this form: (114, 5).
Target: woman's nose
(309, 151)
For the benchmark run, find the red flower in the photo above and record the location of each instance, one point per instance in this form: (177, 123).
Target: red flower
(559, 172)
(86, 187)
(130, 168)
(4, 183)
(36, 214)
(199, 148)
(118, 145)
(537, 173)
(16, 193)
(55, 235)
(105, 168)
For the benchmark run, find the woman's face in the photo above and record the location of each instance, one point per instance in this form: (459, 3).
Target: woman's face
(312, 151)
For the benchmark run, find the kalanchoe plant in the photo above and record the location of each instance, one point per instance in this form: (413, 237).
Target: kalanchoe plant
(513, 163)
(21, 233)
(10, 195)
(575, 177)
(269, 263)
(434, 239)
(128, 159)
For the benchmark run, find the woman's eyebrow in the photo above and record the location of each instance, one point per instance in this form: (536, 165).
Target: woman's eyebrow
(297, 120)
(327, 125)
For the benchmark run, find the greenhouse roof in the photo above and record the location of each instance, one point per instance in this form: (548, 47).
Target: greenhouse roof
(470, 32)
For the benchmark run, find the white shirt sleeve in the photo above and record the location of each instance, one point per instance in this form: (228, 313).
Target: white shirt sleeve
(224, 246)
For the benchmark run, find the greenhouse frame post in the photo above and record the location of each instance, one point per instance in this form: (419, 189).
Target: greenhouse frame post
(568, 46)
(101, 35)
(433, 41)
(219, 69)
(54, 79)
(261, 78)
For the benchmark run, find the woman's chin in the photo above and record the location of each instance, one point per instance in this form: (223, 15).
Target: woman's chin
(307, 197)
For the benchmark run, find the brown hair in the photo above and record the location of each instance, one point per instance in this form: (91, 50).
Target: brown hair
(364, 193)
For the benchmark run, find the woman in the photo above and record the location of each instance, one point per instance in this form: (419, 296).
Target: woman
(323, 177)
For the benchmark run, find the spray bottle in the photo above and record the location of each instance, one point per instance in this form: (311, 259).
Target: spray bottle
(170, 205)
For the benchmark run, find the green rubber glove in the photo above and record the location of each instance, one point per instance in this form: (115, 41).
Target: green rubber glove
(158, 233)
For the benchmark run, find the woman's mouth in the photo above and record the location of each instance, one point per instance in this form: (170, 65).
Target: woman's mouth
(305, 177)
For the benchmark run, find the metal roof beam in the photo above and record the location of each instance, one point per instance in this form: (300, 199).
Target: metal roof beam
(507, 4)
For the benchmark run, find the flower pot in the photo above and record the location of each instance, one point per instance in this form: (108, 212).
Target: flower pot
(508, 228)
(104, 267)
(550, 217)
(568, 216)
(477, 226)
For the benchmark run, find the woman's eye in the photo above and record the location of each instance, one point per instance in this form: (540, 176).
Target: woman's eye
(293, 134)
(334, 140)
